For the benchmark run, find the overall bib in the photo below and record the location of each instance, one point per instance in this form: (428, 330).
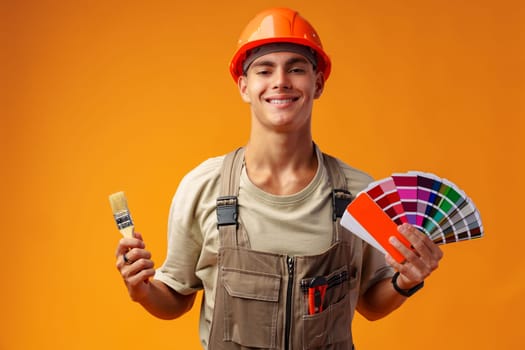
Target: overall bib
(264, 300)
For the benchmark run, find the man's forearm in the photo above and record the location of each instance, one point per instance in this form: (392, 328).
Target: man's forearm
(379, 300)
(165, 303)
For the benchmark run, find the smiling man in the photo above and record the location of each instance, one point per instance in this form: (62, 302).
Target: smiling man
(258, 229)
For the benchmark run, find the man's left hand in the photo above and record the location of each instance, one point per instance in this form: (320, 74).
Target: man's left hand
(419, 262)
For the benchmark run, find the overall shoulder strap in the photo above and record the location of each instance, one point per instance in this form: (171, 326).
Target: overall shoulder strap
(341, 197)
(340, 194)
(231, 172)
(227, 203)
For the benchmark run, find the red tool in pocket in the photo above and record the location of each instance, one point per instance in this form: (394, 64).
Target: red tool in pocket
(316, 293)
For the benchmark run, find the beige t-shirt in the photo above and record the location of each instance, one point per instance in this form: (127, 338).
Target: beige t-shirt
(298, 224)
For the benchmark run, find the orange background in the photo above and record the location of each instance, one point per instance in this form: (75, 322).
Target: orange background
(101, 96)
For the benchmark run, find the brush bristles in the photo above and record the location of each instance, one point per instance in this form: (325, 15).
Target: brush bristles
(118, 202)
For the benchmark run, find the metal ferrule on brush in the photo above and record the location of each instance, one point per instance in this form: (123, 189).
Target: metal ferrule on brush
(123, 220)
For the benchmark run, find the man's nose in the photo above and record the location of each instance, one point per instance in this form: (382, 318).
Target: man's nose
(281, 79)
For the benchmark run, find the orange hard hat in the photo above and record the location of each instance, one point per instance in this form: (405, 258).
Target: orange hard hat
(278, 25)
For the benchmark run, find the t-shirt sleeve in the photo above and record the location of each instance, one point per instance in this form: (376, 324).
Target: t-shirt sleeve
(192, 208)
(374, 268)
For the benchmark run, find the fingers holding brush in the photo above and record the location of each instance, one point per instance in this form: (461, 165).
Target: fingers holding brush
(130, 250)
(126, 244)
(134, 263)
(139, 269)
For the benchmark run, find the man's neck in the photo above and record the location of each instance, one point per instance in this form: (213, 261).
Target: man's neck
(283, 165)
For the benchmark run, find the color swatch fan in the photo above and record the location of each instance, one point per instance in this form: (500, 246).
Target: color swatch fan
(433, 205)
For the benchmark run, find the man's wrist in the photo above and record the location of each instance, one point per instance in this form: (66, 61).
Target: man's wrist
(406, 292)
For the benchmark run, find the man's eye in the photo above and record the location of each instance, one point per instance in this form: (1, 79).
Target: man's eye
(297, 70)
(263, 72)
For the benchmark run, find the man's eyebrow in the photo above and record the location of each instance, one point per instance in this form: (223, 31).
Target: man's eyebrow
(267, 63)
(289, 62)
(295, 60)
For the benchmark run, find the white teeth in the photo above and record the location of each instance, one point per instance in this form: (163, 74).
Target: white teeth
(278, 102)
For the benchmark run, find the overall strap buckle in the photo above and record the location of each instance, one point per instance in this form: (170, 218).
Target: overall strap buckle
(227, 211)
(340, 200)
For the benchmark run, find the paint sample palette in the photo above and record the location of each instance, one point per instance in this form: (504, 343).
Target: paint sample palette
(434, 205)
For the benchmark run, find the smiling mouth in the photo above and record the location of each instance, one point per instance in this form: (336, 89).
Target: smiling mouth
(281, 101)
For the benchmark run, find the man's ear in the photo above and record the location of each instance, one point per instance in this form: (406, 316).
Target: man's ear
(319, 85)
(243, 86)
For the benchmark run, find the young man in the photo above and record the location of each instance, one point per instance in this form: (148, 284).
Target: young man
(259, 230)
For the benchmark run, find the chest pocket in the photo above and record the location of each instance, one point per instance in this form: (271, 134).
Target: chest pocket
(251, 302)
(250, 287)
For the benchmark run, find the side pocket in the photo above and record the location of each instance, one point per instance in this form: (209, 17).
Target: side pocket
(328, 328)
(331, 328)
(251, 302)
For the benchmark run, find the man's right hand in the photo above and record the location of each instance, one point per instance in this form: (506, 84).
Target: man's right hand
(135, 266)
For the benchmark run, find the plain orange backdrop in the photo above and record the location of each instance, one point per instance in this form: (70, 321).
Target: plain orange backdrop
(102, 96)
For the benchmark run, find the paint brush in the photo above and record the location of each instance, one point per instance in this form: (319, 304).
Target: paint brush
(119, 205)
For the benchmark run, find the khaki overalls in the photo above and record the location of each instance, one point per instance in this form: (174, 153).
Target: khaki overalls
(263, 300)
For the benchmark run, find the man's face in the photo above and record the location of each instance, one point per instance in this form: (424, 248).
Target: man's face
(281, 87)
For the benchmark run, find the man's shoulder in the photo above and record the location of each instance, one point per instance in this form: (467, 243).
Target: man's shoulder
(356, 179)
(202, 183)
(206, 171)
(353, 171)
